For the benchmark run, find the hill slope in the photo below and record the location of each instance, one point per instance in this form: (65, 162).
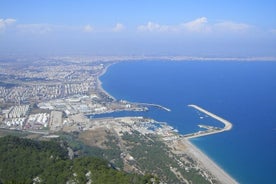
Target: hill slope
(29, 161)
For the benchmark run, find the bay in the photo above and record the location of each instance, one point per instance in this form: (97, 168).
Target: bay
(241, 92)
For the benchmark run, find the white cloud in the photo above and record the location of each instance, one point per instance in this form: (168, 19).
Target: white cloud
(118, 27)
(88, 28)
(152, 27)
(10, 21)
(273, 31)
(4, 23)
(197, 25)
(229, 26)
(35, 28)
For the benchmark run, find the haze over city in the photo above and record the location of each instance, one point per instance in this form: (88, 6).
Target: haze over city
(148, 91)
(210, 28)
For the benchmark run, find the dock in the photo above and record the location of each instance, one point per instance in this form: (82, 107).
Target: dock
(210, 129)
(153, 105)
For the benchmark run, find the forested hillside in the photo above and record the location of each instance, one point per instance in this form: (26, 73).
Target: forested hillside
(29, 161)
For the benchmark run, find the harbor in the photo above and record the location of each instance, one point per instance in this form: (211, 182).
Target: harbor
(153, 105)
(209, 129)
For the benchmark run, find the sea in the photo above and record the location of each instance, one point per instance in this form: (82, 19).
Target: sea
(241, 92)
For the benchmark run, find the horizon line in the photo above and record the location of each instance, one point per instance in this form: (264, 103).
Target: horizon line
(87, 58)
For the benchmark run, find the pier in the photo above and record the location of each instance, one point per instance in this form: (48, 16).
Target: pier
(153, 105)
(210, 130)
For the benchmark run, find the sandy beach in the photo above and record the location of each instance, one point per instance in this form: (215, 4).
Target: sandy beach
(99, 82)
(205, 161)
(208, 164)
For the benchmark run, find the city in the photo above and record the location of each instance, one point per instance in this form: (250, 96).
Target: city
(31, 92)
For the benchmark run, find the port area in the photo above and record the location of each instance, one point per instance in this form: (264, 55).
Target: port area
(209, 129)
(153, 105)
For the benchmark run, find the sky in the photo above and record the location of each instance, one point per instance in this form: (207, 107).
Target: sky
(205, 28)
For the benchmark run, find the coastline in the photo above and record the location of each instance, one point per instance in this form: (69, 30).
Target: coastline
(100, 88)
(99, 82)
(209, 164)
(205, 162)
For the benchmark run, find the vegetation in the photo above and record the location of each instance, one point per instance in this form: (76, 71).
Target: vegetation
(18, 133)
(151, 155)
(154, 156)
(29, 161)
(112, 153)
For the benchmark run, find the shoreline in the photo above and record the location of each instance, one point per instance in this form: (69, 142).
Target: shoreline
(205, 162)
(208, 164)
(100, 88)
(99, 82)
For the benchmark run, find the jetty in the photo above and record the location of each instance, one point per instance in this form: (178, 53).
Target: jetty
(210, 129)
(153, 105)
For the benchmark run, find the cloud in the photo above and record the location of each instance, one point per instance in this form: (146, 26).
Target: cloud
(4, 23)
(152, 27)
(273, 31)
(118, 27)
(197, 25)
(229, 26)
(36, 28)
(88, 28)
(9, 21)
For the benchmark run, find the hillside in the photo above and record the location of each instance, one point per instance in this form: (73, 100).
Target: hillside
(28, 161)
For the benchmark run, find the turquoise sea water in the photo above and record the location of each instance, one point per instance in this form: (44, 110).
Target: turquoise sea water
(242, 92)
